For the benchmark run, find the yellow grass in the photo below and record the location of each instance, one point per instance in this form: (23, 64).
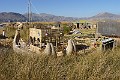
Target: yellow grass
(90, 66)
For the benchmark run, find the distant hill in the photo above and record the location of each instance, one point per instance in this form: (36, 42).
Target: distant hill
(43, 17)
(11, 16)
(49, 17)
(105, 15)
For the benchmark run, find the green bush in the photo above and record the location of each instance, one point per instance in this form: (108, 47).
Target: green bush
(66, 29)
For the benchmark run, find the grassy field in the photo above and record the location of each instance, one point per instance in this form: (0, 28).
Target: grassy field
(89, 66)
(92, 65)
(88, 31)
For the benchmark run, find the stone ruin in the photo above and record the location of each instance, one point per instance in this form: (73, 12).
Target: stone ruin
(49, 49)
(20, 46)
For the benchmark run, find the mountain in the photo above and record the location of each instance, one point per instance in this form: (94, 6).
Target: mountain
(49, 17)
(105, 15)
(11, 16)
(43, 17)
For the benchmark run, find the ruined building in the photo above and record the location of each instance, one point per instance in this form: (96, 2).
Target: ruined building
(40, 37)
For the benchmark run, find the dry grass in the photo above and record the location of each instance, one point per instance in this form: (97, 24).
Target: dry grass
(88, 31)
(91, 66)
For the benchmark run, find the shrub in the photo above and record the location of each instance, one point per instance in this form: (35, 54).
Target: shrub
(66, 29)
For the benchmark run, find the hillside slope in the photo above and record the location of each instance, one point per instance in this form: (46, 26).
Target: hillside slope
(11, 16)
(105, 15)
(49, 17)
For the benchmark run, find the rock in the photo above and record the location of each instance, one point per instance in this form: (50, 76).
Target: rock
(16, 40)
(74, 47)
(69, 48)
(48, 49)
(53, 49)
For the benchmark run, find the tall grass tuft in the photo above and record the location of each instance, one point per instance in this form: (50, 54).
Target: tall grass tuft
(92, 66)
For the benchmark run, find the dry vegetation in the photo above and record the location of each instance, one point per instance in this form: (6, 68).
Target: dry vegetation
(90, 66)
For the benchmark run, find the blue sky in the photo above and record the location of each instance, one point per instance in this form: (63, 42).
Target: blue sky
(71, 8)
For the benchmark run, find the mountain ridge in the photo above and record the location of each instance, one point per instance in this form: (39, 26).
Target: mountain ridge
(44, 17)
(105, 15)
(50, 17)
(11, 16)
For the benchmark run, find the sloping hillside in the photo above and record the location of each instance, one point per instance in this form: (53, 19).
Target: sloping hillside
(49, 17)
(11, 16)
(105, 15)
(43, 17)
